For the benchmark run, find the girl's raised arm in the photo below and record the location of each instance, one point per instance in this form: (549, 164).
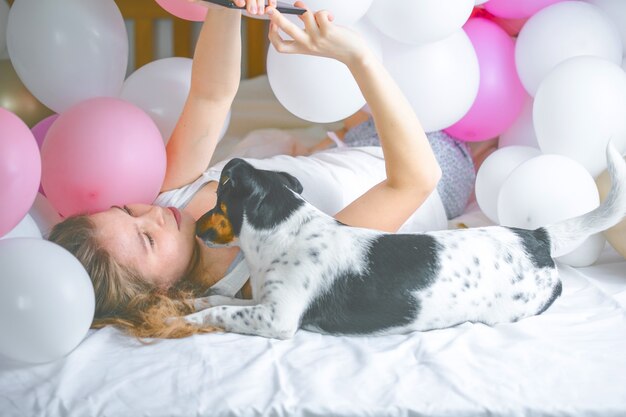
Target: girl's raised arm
(411, 167)
(215, 76)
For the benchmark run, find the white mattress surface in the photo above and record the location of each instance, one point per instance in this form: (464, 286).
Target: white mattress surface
(570, 361)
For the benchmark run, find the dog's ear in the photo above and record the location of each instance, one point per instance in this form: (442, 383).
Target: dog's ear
(291, 182)
(242, 173)
(235, 170)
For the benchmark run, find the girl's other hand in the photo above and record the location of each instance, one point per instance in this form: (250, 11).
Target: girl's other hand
(320, 36)
(256, 7)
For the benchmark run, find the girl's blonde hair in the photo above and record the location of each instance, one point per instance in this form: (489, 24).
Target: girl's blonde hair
(123, 298)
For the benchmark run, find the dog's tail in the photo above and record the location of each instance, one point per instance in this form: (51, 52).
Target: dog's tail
(566, 235)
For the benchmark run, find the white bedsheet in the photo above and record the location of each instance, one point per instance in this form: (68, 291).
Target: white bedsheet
(570, 361)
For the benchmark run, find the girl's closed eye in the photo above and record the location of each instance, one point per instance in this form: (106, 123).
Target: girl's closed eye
(150, 239)
(146, 234)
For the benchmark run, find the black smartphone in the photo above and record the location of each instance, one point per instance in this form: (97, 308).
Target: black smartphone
(280, 6)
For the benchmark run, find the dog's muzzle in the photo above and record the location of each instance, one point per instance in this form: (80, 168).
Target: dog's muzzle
(214, 226)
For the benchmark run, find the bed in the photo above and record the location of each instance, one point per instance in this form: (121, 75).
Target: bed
(569, 361)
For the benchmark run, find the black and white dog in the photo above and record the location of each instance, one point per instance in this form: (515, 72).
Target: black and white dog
(310, 271)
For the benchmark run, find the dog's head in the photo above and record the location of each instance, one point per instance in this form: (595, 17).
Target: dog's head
(264, 198)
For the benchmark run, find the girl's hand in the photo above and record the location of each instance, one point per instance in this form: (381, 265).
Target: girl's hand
(256, 7)
(320, 36)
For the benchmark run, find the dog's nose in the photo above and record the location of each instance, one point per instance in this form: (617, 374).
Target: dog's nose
(204, 229)
(208, 235)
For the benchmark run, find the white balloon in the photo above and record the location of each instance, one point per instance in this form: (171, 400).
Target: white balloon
(25, 228)
(479, 2)
(345, 12)
(420, 21)
(47, 301)
(44, 215)
(494, 171)
(561, 31)
(160, 88)
(317, 89)
(440, 79)
(587, 253)
(547, 189)
(522, 131)
(337, 75)
(4, 18)
(66, 51)
(579, 107)
(371, 35)
(616, 11)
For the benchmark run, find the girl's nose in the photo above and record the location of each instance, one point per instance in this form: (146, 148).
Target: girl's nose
(156, 213)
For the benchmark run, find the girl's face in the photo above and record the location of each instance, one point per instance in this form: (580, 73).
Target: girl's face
(157, 242)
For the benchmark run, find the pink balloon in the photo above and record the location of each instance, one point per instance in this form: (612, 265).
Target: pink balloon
(41, 128)
(501, 94)
(39, 131)
(184, 9)
(517, 9)
(20, 170)
(102, 152)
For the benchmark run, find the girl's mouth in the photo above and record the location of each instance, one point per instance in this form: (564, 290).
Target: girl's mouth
(177, 215)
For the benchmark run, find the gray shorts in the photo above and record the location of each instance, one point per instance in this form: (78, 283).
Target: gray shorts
(458, 173)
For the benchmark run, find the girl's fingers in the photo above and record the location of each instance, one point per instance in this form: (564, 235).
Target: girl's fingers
(240, 3)
(281, 22)
(306, 17)
(278, 42)
(251, 6)
(323, 20)
(261, 7)
(310, 25)
(271, 3)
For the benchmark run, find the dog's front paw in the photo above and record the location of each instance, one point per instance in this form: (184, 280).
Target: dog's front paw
(202, 318)
(201, 303)
(170, 321)
(195, 319)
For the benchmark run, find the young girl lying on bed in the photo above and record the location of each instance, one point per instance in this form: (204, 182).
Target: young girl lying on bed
(145, 260)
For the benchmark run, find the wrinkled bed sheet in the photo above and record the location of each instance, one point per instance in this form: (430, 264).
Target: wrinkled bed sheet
(569, 361)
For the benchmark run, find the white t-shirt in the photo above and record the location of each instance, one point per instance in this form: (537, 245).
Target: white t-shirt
(331, 180)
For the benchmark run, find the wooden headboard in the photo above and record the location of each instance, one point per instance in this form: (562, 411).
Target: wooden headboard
(145, 14)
